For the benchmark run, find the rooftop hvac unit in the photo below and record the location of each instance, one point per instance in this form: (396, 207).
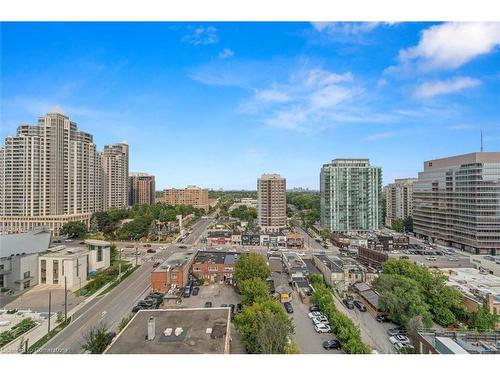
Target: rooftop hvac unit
(151, 329)
(178, 331)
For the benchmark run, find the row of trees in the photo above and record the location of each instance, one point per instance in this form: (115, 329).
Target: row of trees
(408, 290)
(263, 323)
(343, 327)
(405, 225)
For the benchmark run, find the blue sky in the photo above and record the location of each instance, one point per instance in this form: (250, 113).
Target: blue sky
(218, 104)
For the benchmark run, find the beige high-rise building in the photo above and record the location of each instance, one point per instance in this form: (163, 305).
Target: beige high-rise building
(115, 163)
(141, 188)
(456, 202)
(192, 195)
(398, 200)
(271, 202)
(50, 173)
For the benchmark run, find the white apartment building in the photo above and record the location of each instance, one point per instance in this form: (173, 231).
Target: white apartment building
(271, 202)
(115, 163)
(52, 173)
(398, 200)
(74, 264)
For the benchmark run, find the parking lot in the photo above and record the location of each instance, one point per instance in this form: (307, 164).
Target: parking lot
(218, 294)
(310, 342)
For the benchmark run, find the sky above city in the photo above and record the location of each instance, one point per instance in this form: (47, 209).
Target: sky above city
(219, 104)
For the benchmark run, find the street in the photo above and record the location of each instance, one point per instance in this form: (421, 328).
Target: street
(111, 308)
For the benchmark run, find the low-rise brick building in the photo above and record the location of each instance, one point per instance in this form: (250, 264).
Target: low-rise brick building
(172, 272)
(215, 266)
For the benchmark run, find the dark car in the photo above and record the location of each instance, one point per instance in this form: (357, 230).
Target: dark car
(187, 292)
(182, 246)
(382, 318)
(349, 304)
(360, 306)
(232, 307)
(239, 307)
(208, 304)
(147, 303)
(313, 308)
(223, 305)
(137, 308)
(156, 264)
(196, 290)
(151, 251)
(288, 307)
(331, 344)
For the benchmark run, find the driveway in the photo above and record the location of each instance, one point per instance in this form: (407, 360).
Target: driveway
(309, 341)
(373, 333)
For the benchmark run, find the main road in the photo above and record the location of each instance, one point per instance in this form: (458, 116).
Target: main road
(112, 307)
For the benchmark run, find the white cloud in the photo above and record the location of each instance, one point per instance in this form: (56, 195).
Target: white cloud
(330, 96)
(202, 35)
(225, 53)
(346, 28)
(434, 88)
(320, 77)
(451, 45)
(272, 96)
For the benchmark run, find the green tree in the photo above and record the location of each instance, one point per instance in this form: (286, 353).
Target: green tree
(244, 213)
(408, 224)
(265, 328)
(74, 229)
(397, 225)
(483, 320)
(96, 340)
(253, 290)
(249, 266)
(402, 299)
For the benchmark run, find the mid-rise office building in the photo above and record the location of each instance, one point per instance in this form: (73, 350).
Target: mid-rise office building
(271, 202)
(141, 188)
(115, 163)
(457, 202)
(351, 195)
(192, 195)
(398, 200)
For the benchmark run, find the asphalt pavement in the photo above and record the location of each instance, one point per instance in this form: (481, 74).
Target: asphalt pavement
(111, 308)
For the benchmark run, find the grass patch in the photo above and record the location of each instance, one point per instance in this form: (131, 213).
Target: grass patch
(118, 281)
(102, 278)
(22, 327)
(41, 342)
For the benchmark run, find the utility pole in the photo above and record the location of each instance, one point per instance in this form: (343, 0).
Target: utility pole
(50, 299)
(65, 301)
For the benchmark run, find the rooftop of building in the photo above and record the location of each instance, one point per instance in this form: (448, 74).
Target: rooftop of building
(472, 282)
(271, 176)
(65, 252)
(463, 342)
(36, 241)
(98, 243)
(293, 260)
(204, 331)
(473, 157)
(216, 257)
(176, 260)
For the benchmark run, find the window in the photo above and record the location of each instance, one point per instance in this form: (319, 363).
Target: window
(55, 272)
(26, 275)
(99, 254)
(43, 269)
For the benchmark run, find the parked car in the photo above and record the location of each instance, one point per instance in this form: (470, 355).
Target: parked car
(288, 307)
(349, 304)
(431, 258)
(151, 251)
(196, 290)
(382, 318)
(322, 328)
(156, 264)
(331, 344)
(182, 246)
(314, 314)
(313, 308)
(187, 292)
(320, 320)
(136, 308)
(223, 305)
(399, 338)
(208, 304)
(396, 331)
(359, 305)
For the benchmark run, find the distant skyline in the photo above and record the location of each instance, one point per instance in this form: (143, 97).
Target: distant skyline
(219, 104)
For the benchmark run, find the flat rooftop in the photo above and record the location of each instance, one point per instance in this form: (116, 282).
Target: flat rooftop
(216, 257)
(472, 282)
(461, 342)
(204, 331)
(176, 260)
(70, 252)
